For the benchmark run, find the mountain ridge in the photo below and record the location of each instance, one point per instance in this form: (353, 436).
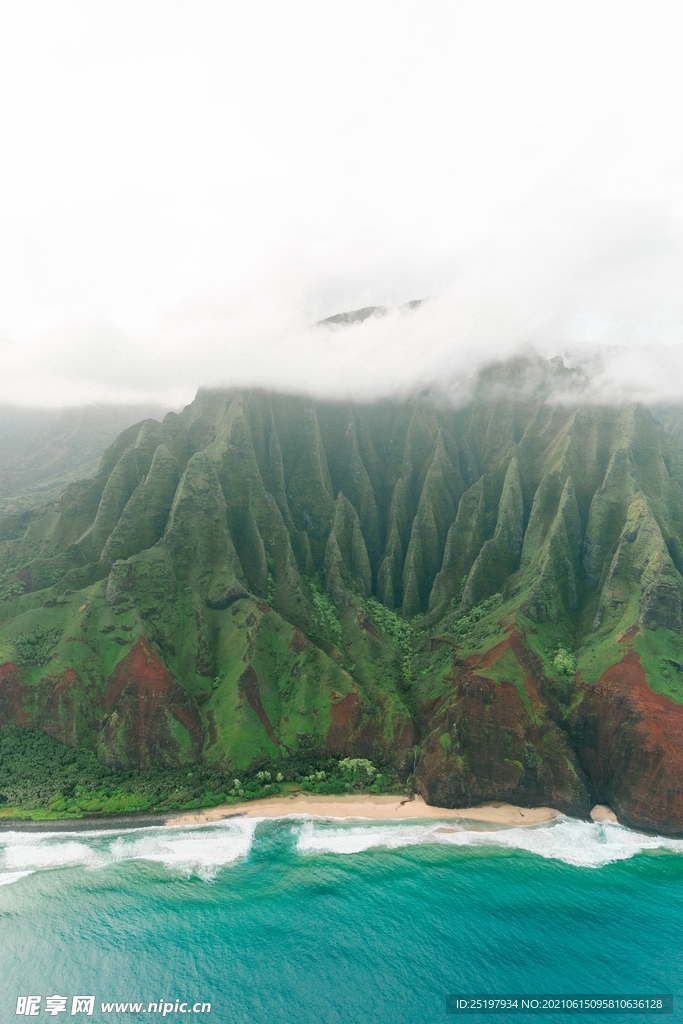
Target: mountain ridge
(490, 594)
(42, 450)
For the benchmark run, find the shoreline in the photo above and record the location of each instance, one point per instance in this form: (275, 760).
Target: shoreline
(358, 806)
(387, 807)
(368, 806)
(94, 824)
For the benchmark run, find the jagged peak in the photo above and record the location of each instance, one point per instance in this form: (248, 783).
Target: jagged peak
(346, 556)
(568, 498)
(530, 376)
(358, 316)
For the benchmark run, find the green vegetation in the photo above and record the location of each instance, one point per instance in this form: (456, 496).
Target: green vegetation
(464, 626)
(661, 653)
(564, 662)
(10, 586)
(351, 775)
(507, 669)
(324, 613)
(392, 625)
(406, 635)
(36, 647)
(42, 778)
(251, 592)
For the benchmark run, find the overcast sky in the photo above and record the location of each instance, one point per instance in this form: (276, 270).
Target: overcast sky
(186, 187)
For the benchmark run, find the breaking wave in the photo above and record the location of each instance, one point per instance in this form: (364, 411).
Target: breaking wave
(7, 877)
(204, 850)
(201, 850)
(579, 843)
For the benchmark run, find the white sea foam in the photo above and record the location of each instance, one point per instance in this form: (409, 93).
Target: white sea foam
(49, 851)
(580, 843)
(202, 850)
(7, 877)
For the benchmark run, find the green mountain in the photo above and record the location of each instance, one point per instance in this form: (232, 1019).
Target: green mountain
(671, 418)
(42, 450)
(486, 601)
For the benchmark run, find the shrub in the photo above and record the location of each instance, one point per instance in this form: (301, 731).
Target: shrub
(564, 662)
(358, 764)
(348, 775)
(325, 613)
(36, 647)
(392, 625)
(465, 624)
(405, 634)
(271, 589)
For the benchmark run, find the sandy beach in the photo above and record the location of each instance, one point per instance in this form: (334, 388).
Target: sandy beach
(367, 806)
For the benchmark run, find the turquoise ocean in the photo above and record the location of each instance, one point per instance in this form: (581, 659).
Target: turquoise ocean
(315, 921)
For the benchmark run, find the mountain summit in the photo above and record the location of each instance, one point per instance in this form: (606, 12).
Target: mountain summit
(489, 597)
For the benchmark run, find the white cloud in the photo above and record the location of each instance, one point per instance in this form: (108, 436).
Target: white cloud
(186, 188)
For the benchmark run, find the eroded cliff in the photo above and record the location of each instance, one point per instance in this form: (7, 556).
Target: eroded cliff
(491, 594)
